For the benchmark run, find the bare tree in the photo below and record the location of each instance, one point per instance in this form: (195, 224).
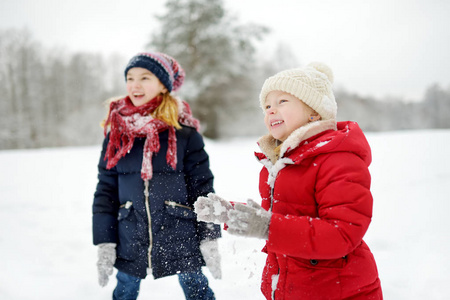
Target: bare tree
(19, 66)
(48, 98)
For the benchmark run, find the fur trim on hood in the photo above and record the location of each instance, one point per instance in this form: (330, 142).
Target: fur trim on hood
(268, 144)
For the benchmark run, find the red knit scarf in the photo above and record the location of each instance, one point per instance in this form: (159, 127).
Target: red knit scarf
(128, 122)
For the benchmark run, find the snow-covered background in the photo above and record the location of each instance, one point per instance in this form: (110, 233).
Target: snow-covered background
(45, 221)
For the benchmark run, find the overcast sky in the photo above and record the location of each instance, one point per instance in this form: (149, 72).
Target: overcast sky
(375, 47)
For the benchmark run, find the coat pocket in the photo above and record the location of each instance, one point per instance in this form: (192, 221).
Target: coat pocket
(178, 234)
(317, 278)
(124, 210)
(179, 210)
(319, 263)
(128, 245)
(180, 222)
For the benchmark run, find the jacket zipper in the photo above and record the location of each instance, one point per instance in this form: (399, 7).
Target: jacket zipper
(271, 198)
(147, 208)
(274, 288)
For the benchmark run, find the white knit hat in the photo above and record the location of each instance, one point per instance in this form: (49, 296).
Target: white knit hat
(311, 84)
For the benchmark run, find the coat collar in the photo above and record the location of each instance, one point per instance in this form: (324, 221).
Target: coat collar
(268, 144)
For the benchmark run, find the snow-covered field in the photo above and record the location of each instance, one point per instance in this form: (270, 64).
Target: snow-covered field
(45, 221)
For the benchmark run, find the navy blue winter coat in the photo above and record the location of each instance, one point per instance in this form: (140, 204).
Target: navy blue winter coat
(120, 214)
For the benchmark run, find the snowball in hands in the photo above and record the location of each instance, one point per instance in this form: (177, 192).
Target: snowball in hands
(212, 209)
(249, 220)
(210, 253)
(106, 260)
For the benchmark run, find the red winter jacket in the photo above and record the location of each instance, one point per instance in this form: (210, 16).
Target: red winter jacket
(318, 190)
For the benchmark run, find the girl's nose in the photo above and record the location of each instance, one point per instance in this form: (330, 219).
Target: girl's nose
(271, 110)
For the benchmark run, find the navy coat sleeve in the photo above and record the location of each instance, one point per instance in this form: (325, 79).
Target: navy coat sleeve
(106, 203)
(199, 180)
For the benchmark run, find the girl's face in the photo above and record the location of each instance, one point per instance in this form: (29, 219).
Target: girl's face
(143, 86)
(284, 113)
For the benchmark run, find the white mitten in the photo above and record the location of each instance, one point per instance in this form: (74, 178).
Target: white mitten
(212, 209)
(106, 260)
(210, 252)
(249, 220)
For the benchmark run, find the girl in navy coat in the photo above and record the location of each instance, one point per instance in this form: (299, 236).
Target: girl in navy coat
(152, 168)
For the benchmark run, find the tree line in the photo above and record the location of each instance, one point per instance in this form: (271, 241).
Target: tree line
(395, 114)
(53, 98)
(48, 96)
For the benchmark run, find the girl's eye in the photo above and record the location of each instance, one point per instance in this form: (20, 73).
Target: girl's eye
(267, 106)
(283, 100)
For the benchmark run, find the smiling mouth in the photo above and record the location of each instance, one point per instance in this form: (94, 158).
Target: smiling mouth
(276, 123)
(138, 95)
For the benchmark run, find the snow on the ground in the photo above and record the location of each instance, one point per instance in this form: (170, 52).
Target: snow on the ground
(45, 221)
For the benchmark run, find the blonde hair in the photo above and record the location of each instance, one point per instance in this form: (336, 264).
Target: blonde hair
(167, 111)
(277, 151)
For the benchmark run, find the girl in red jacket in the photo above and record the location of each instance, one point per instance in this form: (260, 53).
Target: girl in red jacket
(315, 189)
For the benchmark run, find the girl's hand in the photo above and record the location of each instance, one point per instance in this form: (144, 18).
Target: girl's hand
(249, 220)
(105, 264)
(211, 255)
(212, 209)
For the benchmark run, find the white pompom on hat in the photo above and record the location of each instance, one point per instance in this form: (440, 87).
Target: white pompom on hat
(311, 84)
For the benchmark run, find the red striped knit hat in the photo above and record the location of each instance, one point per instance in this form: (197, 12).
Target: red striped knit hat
(165, 67)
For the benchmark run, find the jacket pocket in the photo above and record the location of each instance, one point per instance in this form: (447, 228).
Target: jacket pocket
(178, 233)
(127, 246)
(319, 279)
(318, 263)
(180, 222)
(124, 210)
(179, 210)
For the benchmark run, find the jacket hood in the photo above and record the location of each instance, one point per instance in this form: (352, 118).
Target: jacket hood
(317, 138)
